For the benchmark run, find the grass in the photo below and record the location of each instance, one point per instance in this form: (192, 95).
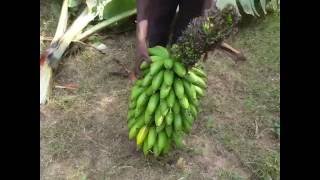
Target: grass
(228, 175)
(255, 95)
(49, 13)
(84, 135)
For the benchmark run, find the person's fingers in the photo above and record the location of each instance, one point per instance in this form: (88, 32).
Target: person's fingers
(139, 62)
(137, 67)
(132, 76)
(137, 74)
(136, 70)
(146, 59)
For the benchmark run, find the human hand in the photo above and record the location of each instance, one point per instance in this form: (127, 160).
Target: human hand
(141, 55)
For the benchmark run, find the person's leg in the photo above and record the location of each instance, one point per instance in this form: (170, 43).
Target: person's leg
(161, 16)
(188, 9)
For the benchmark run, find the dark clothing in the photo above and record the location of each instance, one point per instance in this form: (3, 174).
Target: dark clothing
(162, 14)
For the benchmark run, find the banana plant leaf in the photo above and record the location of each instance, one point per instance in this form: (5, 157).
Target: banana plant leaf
(248, 6)
(116, 7)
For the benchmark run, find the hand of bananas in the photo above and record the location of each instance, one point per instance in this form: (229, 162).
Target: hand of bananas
(164, 103)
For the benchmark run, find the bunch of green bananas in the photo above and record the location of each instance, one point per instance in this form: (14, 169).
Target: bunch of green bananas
(164, 103)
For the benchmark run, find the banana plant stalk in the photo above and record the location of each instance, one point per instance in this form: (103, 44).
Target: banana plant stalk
(45, 69)
(49, 60)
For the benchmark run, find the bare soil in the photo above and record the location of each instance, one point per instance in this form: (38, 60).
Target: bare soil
(84, 133)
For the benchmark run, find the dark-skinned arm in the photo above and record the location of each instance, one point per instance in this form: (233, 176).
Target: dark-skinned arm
(141, 35)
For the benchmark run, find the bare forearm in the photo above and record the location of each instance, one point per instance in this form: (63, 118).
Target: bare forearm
(142, 30)
(142, 10)
(142, 20)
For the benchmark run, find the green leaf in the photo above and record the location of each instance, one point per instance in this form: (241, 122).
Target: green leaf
(253, 7)
(118, 6)
(84, 177)
(74, 3)
(263, 6)
(246, 5)
(223, 3)
(94, 39)
(97, 6)
(91, 4)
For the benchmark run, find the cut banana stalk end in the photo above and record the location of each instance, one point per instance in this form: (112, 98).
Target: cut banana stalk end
(45, 82)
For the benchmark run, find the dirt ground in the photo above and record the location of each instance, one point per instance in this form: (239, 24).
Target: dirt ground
(84, 133)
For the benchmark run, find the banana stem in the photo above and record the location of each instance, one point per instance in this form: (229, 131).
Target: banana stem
(63, 38)
(105, 23)
(63, 21)
(57, 49)
(45, 82)
(63, 43)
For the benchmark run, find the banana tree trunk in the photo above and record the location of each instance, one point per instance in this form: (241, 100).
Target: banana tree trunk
(59, 45)
(45, 81)
(63, 43)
